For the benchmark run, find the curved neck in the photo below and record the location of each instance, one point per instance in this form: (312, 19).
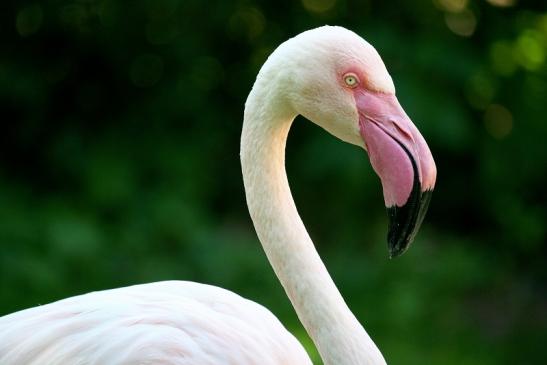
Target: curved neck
(338, 335)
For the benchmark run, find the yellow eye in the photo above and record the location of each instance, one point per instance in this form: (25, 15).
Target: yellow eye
(351, 80)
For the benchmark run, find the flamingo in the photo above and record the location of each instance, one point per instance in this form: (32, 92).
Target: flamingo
(335, 79)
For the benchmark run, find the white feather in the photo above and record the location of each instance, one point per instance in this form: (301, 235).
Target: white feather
(172, 322)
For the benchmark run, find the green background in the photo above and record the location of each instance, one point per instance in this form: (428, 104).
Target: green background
(119, 163)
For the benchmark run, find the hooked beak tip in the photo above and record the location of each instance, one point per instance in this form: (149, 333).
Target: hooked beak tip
(396, 250)
(405, 221)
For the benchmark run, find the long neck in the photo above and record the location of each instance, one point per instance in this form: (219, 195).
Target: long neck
(338, 335)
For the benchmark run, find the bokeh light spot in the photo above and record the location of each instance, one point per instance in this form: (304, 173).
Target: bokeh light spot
(29, 20)
(480, 91)
(530, 50)
(454, 6)
(501, 3)
(248, 22)
(502, 58)
(318, 6)
(498, 121)
(462, 24)
(146, 70)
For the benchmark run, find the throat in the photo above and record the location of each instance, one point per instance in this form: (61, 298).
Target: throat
(339, 337)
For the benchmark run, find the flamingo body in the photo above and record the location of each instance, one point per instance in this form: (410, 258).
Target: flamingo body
(170, 323)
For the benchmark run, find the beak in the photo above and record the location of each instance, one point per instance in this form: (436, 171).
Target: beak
(401, 158)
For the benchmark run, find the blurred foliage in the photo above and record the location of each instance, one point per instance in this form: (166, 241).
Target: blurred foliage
(119, 163)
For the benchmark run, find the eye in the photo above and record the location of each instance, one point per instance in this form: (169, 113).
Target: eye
(351, 80)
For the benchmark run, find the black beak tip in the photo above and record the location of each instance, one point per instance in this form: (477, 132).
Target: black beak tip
(397, 241)
(396, 251)
(405, 221)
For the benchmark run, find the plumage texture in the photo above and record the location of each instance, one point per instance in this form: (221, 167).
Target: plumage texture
(168, 323)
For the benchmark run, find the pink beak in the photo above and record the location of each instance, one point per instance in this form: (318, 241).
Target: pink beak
(401, 158)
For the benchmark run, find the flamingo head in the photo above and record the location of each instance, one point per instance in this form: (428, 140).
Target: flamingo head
(338, 81)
